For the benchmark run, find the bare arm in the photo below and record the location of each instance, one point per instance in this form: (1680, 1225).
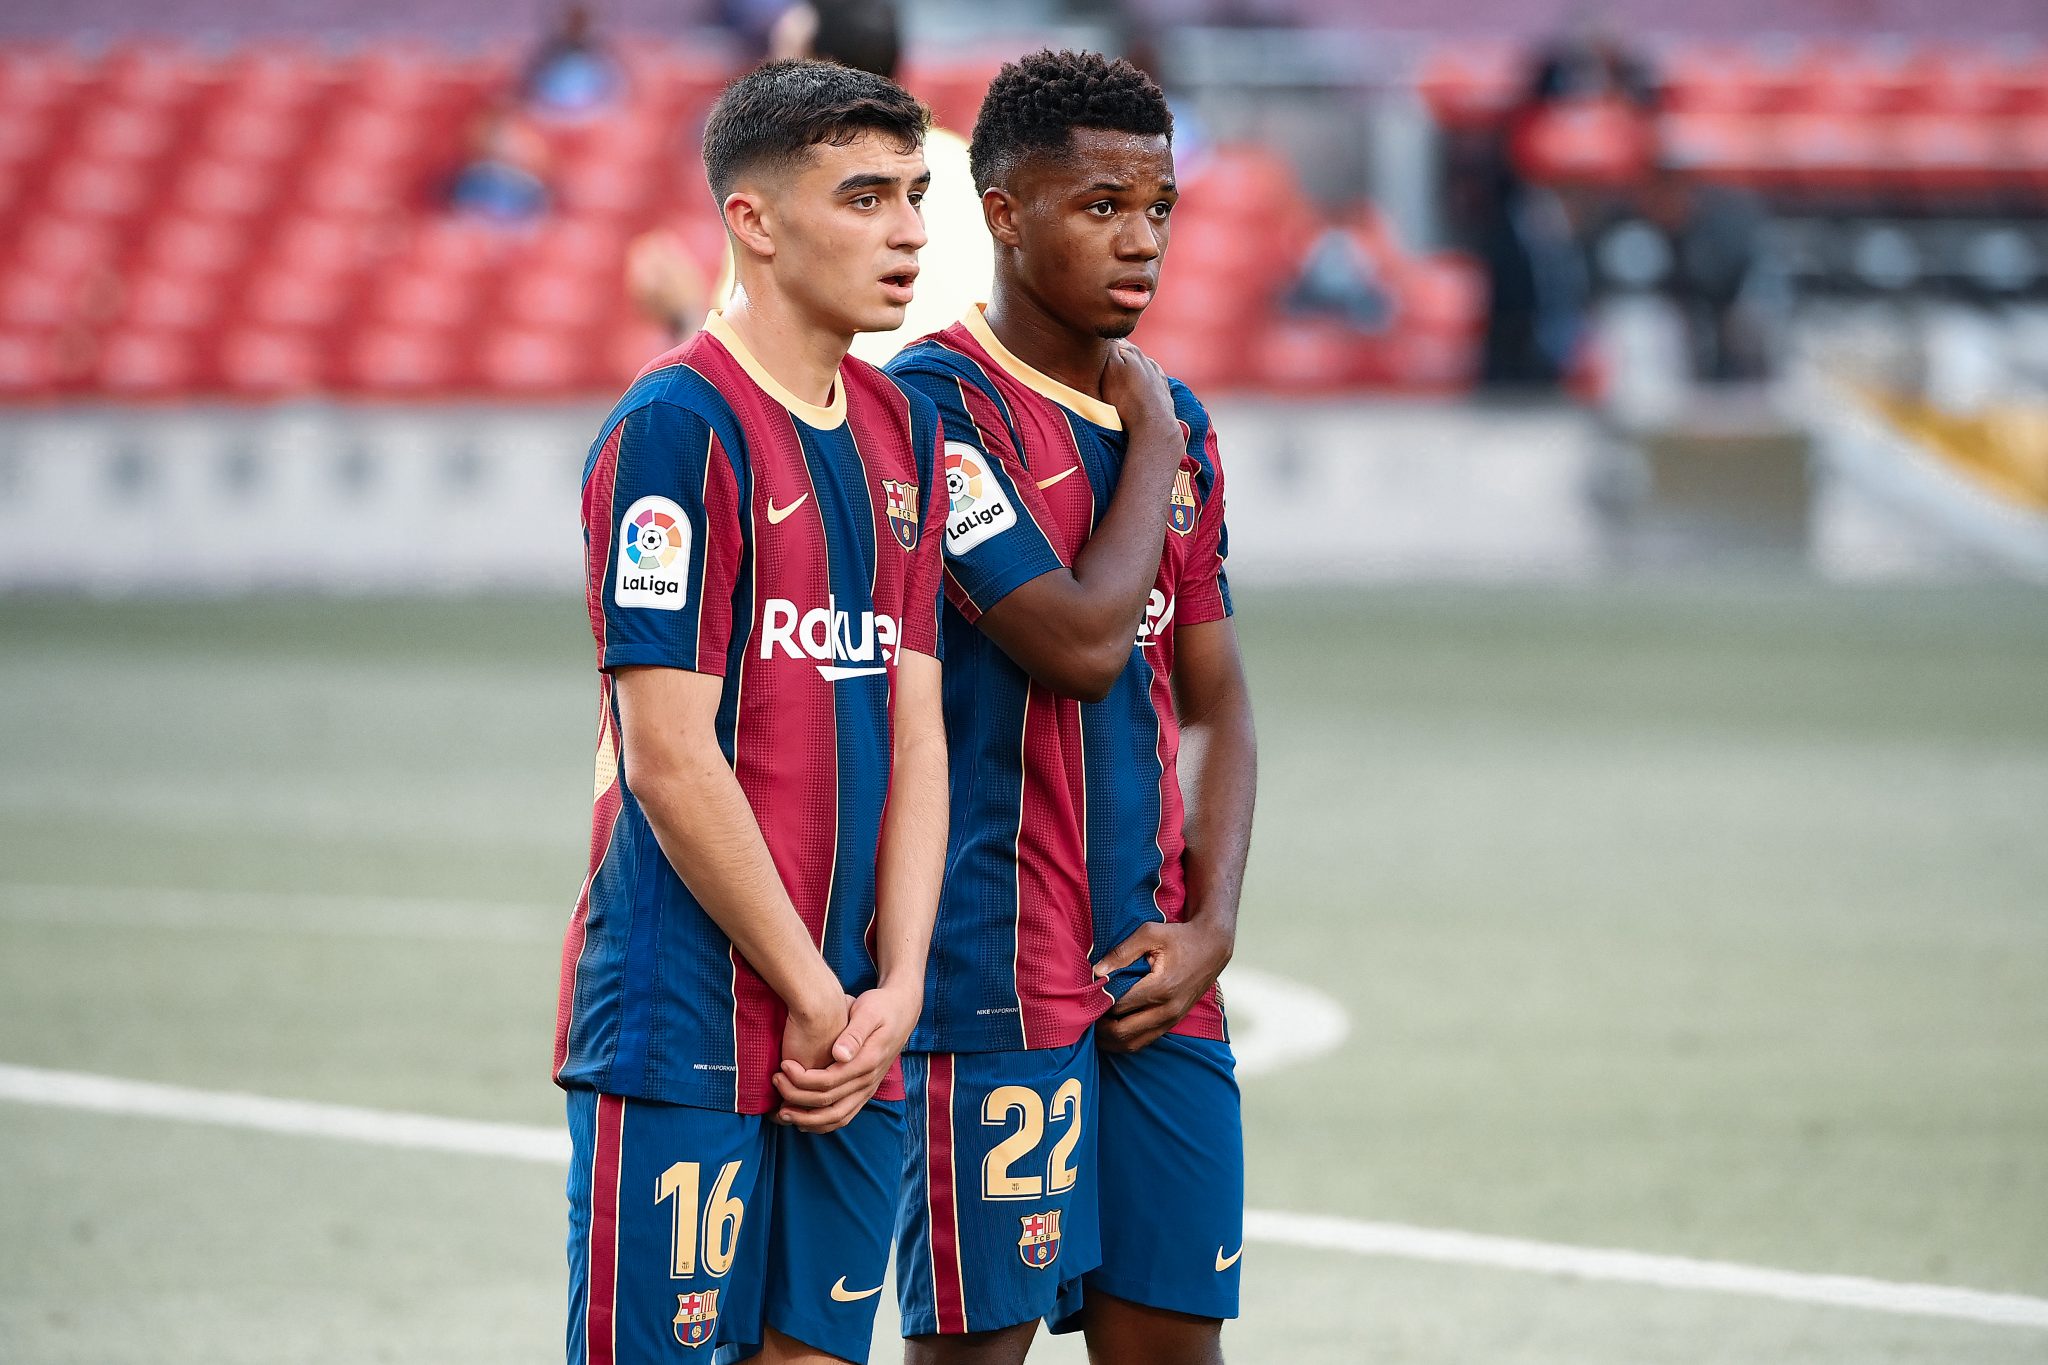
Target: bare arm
(909, 866)
(708, 832)
(1219, 776)
(1073, 629)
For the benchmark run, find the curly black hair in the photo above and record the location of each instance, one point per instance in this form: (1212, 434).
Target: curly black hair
(1035, 103)
(774, 114)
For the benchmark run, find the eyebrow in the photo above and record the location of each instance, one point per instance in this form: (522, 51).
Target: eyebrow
(1118, 187)
(872, 181)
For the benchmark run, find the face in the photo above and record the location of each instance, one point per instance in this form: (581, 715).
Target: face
(841, 232)
(1090, 228)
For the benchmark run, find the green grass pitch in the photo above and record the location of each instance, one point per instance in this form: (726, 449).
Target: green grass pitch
(1704, 921)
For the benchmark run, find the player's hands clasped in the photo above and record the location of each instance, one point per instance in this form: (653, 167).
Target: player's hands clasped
(822, 1098)
(1185, 961)
(1135, 386)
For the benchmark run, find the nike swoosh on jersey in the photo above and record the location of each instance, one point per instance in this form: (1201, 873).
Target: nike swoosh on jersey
(776, 514)
(1047, 483)
(1223, 1262)
(841, 1294)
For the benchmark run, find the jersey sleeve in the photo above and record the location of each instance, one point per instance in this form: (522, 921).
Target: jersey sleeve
(662, 541)
(994, 540)
(1203, 593)
(923, 595)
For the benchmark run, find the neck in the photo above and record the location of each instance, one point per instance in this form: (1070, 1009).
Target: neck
(803, 358)
(1043, 342)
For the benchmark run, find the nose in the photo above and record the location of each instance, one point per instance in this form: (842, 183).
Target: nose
(1139, 239)
(909, 234)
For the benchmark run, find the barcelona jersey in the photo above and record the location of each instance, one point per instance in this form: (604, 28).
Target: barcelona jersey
(1066, 815)
(731, 528)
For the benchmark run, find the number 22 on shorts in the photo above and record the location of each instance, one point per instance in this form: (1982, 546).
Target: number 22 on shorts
(997, 1179)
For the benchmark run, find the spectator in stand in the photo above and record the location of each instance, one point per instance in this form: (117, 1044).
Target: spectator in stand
(503, 179)
(1723, 277)
(572, 75)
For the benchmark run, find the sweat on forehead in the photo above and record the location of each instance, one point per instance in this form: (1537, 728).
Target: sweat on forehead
(770, 118)
(1036, 105)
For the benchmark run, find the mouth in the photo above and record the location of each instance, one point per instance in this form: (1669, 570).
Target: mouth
(1134, 293)
(901, 285)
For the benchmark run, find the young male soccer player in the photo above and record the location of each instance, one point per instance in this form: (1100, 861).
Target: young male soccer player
(1092, 677)
(761, 520)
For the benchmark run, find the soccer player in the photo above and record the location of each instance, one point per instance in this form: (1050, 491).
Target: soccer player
(761, 520)
(1075, 1144)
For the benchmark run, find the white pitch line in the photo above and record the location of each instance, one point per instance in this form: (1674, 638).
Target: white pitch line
(1315, 1232)
(1275, 1022)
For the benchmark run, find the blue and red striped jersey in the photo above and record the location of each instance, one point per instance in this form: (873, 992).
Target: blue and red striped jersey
(1066, 815)
(731, 528)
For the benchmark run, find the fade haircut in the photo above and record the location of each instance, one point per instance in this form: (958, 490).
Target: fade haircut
(1035, 103)
(770, 118)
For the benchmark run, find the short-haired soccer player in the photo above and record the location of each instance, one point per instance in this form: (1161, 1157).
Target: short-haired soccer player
(761, 519)
(1076, 1148)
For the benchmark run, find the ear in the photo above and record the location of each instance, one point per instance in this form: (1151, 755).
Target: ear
(746, 218)
(999, 211)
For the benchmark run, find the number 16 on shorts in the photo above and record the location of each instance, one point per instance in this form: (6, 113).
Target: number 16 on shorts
(999, 1205)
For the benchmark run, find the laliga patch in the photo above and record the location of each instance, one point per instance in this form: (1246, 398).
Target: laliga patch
(654, 556)
(978, 506)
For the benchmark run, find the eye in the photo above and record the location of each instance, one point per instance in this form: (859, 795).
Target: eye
(917, 198)
(867, 201)
(1161, 209)
(1101, 208)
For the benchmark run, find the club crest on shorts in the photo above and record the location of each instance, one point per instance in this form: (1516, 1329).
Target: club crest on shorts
(900, 501)
(1180, 512)
(1039, 1246)
(696, 1317)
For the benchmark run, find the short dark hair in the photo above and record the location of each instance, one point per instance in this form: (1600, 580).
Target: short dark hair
(778, 111)
(863, 34)
(1035, 103)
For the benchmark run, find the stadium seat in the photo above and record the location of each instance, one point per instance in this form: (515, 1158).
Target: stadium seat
(263, 362)
(155, 301)
(534, 362)
(287, 298)
(213, 186)
(142, 362)
(413, 362)
(28, 364)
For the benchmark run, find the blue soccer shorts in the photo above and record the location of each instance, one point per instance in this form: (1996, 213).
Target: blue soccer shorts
(998, 1197)
(1169, 1161)
(689, 1229)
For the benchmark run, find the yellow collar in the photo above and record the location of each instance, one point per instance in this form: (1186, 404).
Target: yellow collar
(1094, 409)
(824, 419)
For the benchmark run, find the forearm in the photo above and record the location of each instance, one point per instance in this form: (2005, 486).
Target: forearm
(1219, 773)
(708, 832)
(1116, 569)
(911, 863)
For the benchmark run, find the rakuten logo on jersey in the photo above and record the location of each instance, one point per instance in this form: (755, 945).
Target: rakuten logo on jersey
(841, 644)
(1158, 616)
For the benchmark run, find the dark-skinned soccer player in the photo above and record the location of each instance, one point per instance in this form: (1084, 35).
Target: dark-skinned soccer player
(1075, 1146)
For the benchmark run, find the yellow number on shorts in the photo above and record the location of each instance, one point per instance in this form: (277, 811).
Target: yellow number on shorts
(996, 1180)
(721, 1221)
(1061, 1176)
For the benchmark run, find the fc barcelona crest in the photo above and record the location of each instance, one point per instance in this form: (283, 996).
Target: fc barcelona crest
(901, 505)
(696, 1317)
(1180, 513)
(1040, 1244)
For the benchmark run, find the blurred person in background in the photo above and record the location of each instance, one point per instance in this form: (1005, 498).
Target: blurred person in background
(503, 179)
(1722, 274)
(668, 284)
(572, 74)
(1087, 912)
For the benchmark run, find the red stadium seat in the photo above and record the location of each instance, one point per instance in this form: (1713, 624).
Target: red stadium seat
(32, 299)
(216, 186)
(97, 189)
(122, 134)
(558, 298)
(252, 134)
(1469, 86)
(259, 362)
(154, 301)
(425, 298)
(146, 363)
(1721, 146)
(535, 362)
(28, 364)
(396, 360)
(200, 245)
(286, 298)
